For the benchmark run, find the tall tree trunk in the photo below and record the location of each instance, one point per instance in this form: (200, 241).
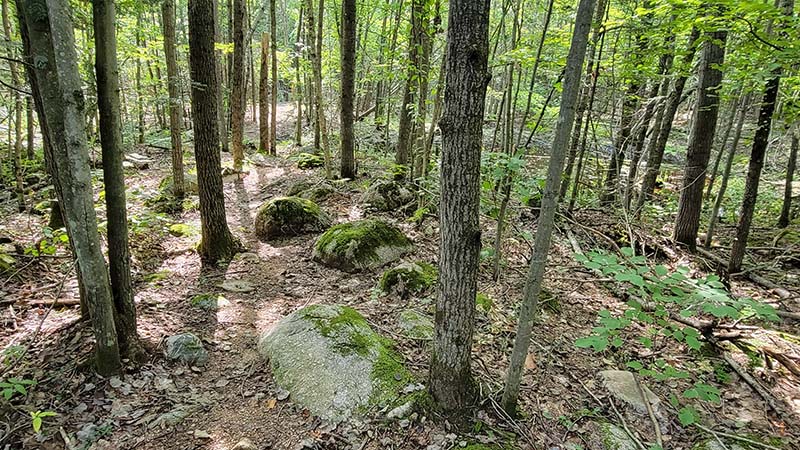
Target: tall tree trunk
(704, 123)
(221, 72)
(722, 143)
(726, 172)
(15, 82)
(174, 93)
(298, 128)
(138, 82)
(348, 54)
(533, 283)
(316, 61)
(757, 154)
(106, 68)
(273, 135)
(462, 138)
(656, 151)
(238, 86)
(31, 147)
(263, 97)
(785, 217)
(380, 86)
(47, 34)
(217, 242)
(404, 155)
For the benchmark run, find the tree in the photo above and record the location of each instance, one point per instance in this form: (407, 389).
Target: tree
(404, 156)
(462, 136)
(217, 243)
(238, 86)
(348, 55)
(263, 97)
(47, 35)
(273, 28)
(174, 92)
(106, 68)
(785, 217)
(541, 247)
(16, 94)
(704, 123)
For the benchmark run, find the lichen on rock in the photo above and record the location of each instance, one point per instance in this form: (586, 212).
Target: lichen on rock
(409, 278)
(289, 216)
(388, 195)
(361, 245)
(333, 363)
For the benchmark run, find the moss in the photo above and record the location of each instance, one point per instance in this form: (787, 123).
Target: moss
(416, 325)
(414, 277)
(484, 302)
(351, 334)
(309, 161)
(207, 301)
(356, 246)
(181, 229)
(387, 195)
(289, 216)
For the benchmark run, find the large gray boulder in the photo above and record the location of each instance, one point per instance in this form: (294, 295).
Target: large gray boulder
(388, 195)
(289, 216)
(622, 385)
(361, 245)
(332, 363)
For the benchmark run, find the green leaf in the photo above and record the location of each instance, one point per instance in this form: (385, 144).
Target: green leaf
(687, 416)
(598, 343)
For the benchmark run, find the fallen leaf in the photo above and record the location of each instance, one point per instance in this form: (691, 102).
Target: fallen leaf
(271, 403)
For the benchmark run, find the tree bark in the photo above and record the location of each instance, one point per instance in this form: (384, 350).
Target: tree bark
(704, 124)
(408, 111)
(467, 77)
(174, 93)
(348, 55)
(223, 117)
(298, 128)
(263, 97)
(273, 135)
(238, 86)
(106, 68)
(138, 82)
(217, 243)
(785, 217)
(47, 33)
(541, 248)
(16, 149)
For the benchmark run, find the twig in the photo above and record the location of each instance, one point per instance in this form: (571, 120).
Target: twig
(736, 438)
(752, 382)
(650, 412)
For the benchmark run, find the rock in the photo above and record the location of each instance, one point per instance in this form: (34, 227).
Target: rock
(622, 385)
(361, 245)
(289, 216)
(244, 444)
(713, 444)
(309, 161)
(239, 286)
(201, 434)
(332, 362)
(186, 348)
(182, 229)
(409, 278)
(189, 184)
(318, 192)
(388, 195)
(613, 437)
(416, 325)
(208, 302)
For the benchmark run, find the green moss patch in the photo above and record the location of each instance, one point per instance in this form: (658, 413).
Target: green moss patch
(309, 161)
(388, 195)
(361, 245)
(289, 216)
(416, 325)
(409, 278)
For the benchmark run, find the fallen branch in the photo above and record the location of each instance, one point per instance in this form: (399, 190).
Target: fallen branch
(735, 437)
(744, 375)
(775, 288)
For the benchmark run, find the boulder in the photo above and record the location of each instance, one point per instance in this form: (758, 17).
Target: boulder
(189, 184)
(623, 386)
(186, 348)
(388, 195)
(409, 278)
(332, 363)
(416, 325)
(613, 437)
(361, 245)
(316, 192)
(309, 161)
(714, 444)
(289, 216)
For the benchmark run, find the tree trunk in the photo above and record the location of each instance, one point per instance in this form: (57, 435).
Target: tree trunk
(723, 142)
(238, 86)
(533, 283)
(785, 218)
(404, 155)
(273, 135)
(138, 82)
(47, 33)
(31, 147)
(712, 223)
(16, 84)
(217, 242)
(348, 54)
(451, 382)
(263, 97)
(704, 123)
(656, 151)
(316, 62)
(106, 68)
(298, 128)
(223, 117)
(174, 93)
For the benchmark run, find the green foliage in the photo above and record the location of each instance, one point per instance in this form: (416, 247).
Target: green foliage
(14, 386)
(50, 243)
(37, 418)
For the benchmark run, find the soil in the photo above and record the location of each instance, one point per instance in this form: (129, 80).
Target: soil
(234, 396)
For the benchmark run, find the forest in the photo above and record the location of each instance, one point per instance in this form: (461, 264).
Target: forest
(399, 224)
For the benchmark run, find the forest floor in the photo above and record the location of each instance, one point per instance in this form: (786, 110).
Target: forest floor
(162, 405)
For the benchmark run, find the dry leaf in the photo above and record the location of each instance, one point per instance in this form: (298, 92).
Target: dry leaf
(271, 403)
(530, 362)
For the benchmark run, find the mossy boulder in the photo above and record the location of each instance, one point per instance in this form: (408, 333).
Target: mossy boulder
(186, 348)
(309, 161)
(416, 325)
(289, 216)
(316, 192)
(612, 437)
(361, 245)
(189, 184)
(409, 278)
(388, 195)
(332, 363)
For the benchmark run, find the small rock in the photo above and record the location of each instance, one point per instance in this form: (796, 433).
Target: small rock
(244, 444)
(622, 385)
(201, 434)
(400, 411)
(238, 286)
(186, 348)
